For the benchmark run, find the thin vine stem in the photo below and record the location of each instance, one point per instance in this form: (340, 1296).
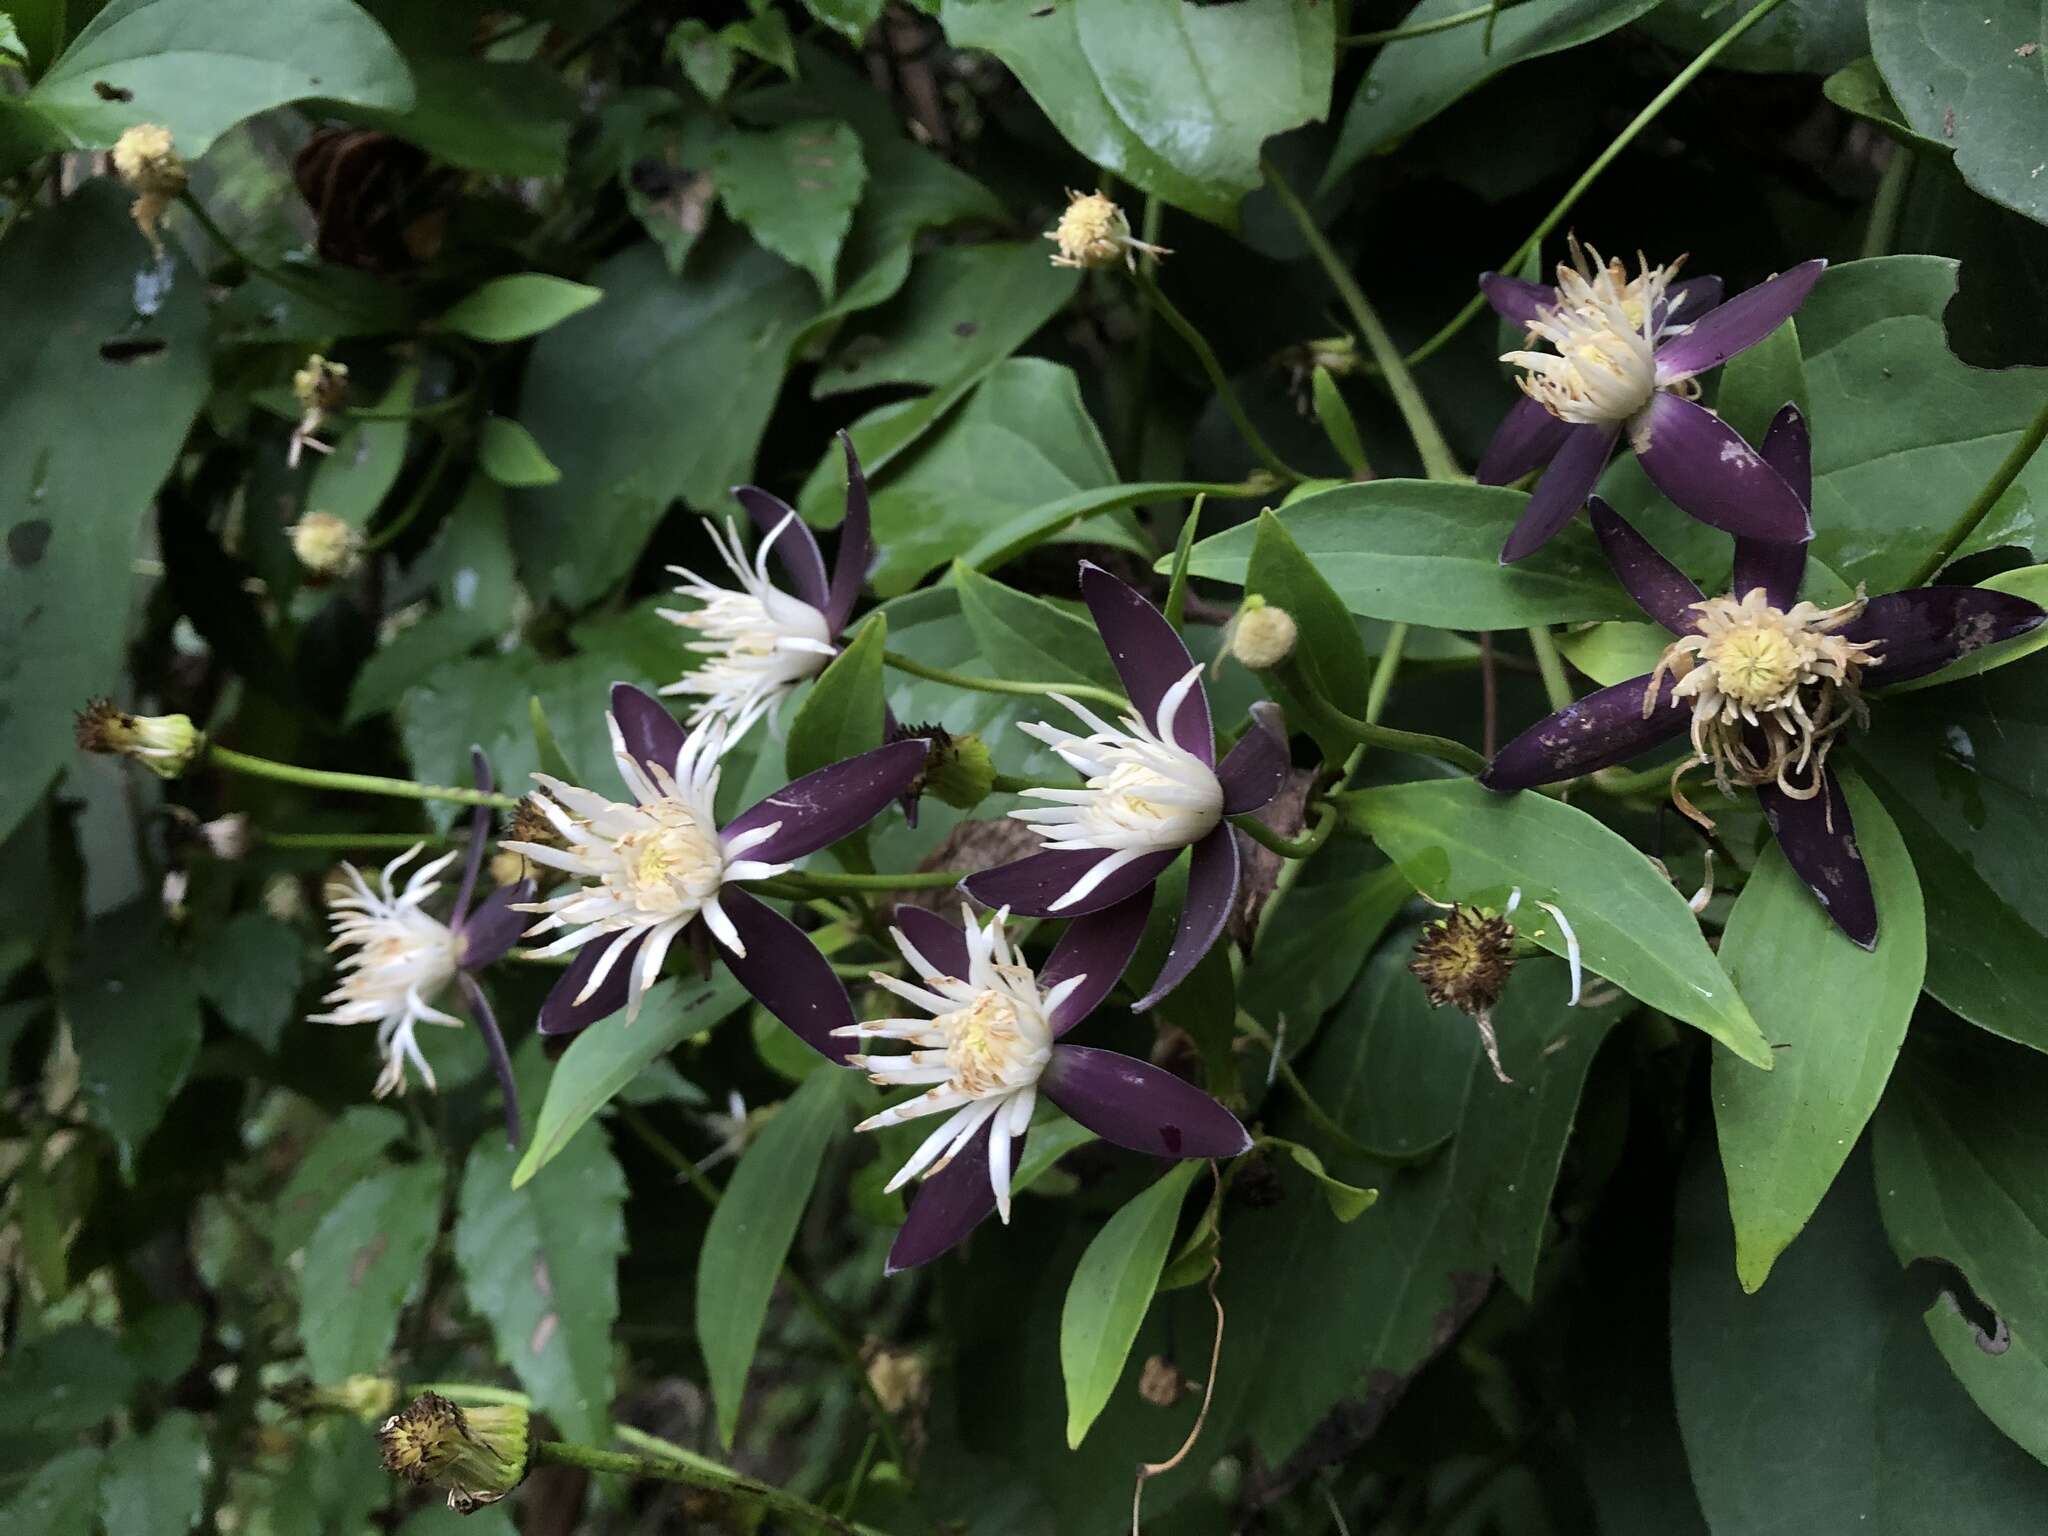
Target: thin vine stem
(1606, 157)
(351, 839)
(290, 282)
(1557, 687)
(1882, 231)
(973, 684)
(1295, 848)
(354, 783)
(1370, 733)
(384, 537)
(1980, 506)
(1437, 460)
(1448, 23)
(694, 1474)
(1218, 380)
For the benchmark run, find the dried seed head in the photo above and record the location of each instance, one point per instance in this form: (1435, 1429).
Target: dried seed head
(321, 385)
(148, 162)
(1262, 635)
(164, 744)
(1093, 232)
(326, 545)
(528, 823)
(898, 1377)
(1161, 1383)
(478, 1454)
(1464, 959)
(957, 769)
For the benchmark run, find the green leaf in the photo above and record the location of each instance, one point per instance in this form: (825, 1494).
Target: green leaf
(1110, 1292)
(540, 1260)
(507, 453)
(1959, 1155)
(1459, 842)
(851, 19)
(503, 118)
(1045, 1144)
(1307, 957)
(134, 1016)
(1960, 770)
(1614, 653)
(1758, 381)
(1339, 426)
(514, 308)
(198, 67)
(1028, 639)
(1809, 36)
(367, 1255)
(1328, 647)
(346, 1153)
(707, 56)
(2008, 1384)
(1428, 552)
(1022, 443)
(62, 1382)
(1837, 1016)
(1347, 1201)
(750, 1233)
(1124, 81)
(249, 968)
(67, 284)
(842, 714)
(602, 1060)
(1411, 81)
(353, 481)
(1964, 75)
(795, 189)
(1859, 88)
(155, 1484)
(61, 1497)
(606, 390)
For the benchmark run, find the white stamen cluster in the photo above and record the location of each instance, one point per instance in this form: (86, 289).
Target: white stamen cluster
(982, 1051)
(758, 642)
(1605, 327)
(646, 868)
(403, 956)
(1145, 793)
(1753, 671)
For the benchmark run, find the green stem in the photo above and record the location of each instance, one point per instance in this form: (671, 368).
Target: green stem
(351, 839)
(1150, 222)
(694, 1474)
(1218, 380)
(1980, 508)
(1010, 784)
(1621, 782)
(1883, 229)
(842, 1342)
(1556, 686)
(357, 783)
(1298, 848)
(1369, 733)
(1384, 672)
(288, 281)
(1437, 460)
(1607, 157)
(1426, 28)
(800, 883)
(390, 531)
(1002, 684)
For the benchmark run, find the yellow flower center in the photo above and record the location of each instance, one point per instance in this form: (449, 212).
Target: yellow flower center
(1604, 329)
(986, 1046)
(1756, 665)
(672, 869)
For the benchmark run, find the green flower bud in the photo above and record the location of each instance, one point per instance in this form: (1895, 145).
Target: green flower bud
(164, 744)
(1262, 635)
(478, 1454)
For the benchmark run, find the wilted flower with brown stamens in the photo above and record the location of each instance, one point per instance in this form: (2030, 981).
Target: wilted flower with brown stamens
(478, 1454)
(164, 744)
(320, 387)
(148, 163)
(1466, 957)
(1093, 232)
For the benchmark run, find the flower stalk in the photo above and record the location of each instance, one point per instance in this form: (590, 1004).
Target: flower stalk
(354, 783)
(1368, 734)
(933, 674)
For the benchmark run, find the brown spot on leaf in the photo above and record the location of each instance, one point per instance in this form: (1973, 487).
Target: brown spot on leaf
(106, 90)
(542, 1280)
(129, 349)
(366, 1257)
(965, 328)
(28, 541)
(543, 1331)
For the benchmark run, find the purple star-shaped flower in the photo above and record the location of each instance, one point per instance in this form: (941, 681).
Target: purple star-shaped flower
(992, 1044)
(1153, 787)
(658, 867)
(1626, 351)
(1763, 683)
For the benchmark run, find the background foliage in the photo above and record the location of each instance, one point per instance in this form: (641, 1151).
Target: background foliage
(592, 264)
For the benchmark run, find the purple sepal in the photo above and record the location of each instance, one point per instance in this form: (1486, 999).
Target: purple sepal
(501, 1059)
(1689, 298)
(1703, 465)
(561, 1014)
(1660, 588)
(1604, 728)
(1517, 299)
(1149, 658)
(856, 545)
(796, 550)
(479, 834)
(1137, 1105)
(822, 807)
(1030, 885)
(651, 733)
(1574, 471)
(1819, 842)
(788, 975)
(947, 1206)
(1252, 772)
(940, 940)
(1528, 436)
(1212, 894)
(1779, 568)
(494, 927)
(1925, 628)
(1098, 947)
(1737, 325)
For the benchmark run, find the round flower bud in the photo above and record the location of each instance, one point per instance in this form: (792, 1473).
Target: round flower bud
(509, 868)
(1161, 1383)
(478, 1454)
(326, 545)
(962, 773)
(1261, 635)
(147, 161)
(164, 744)
(1093, 232)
